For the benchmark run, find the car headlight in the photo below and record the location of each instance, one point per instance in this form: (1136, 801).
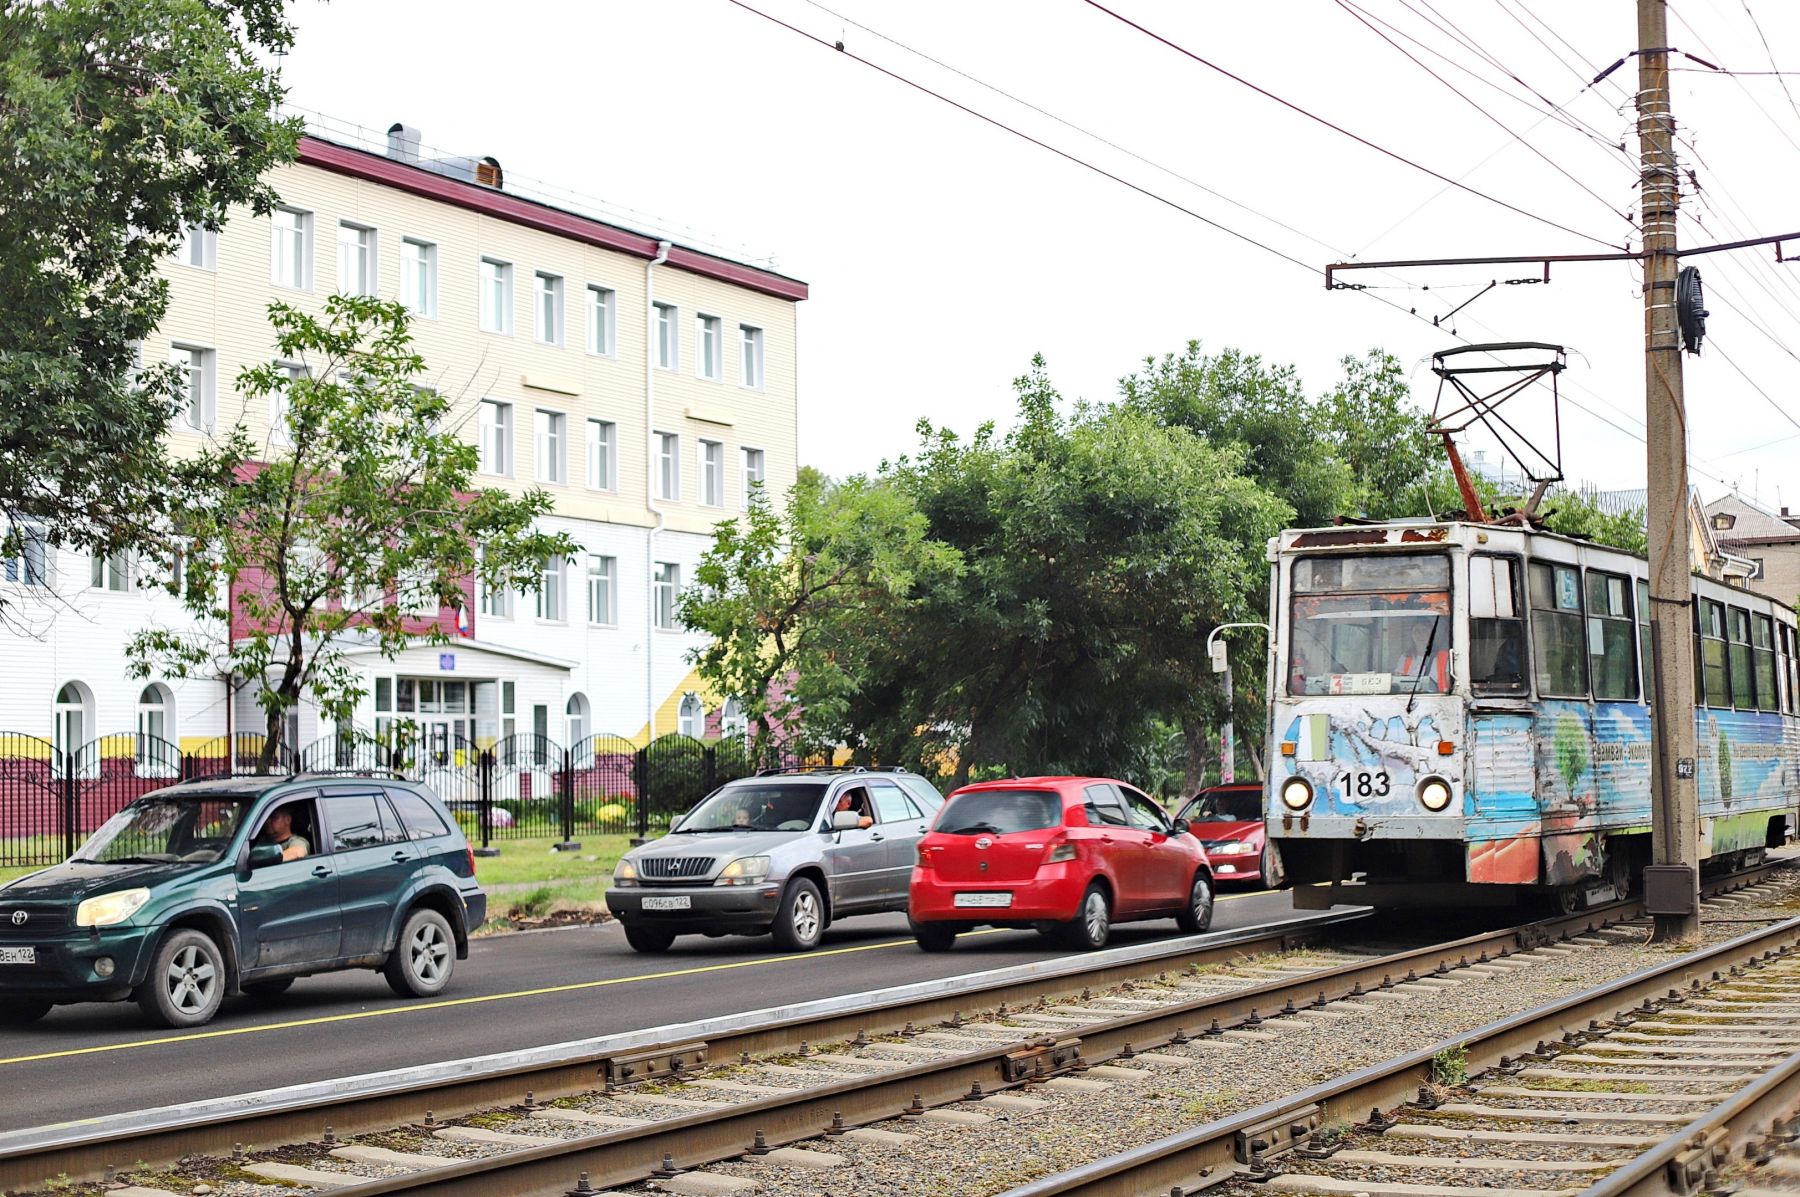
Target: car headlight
(1296, 793)
(625, 873)
(107, 909)
(1232, 848)
(1434, 794)
(745, 870)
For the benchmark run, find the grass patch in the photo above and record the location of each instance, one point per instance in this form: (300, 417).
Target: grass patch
(1450, 1067)
(1558, 1084)
(537, 861)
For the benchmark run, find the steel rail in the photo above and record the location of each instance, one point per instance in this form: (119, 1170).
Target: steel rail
(1206, 1154)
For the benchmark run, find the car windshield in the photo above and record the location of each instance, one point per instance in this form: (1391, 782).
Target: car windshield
(1227, 806)
(1371, 625)
(758, 806)
(1000, 812)
(168, 829)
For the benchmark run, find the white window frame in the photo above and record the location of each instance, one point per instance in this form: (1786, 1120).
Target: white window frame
(665, 581)
(199, 248)
(550, 440)
(667, 319)
(547, 306)
(712, 473)
(602, 315)
(751, 346)
(281, 407)
(113, 573)
(28, 563)
(291, 247)
(602, 455)
(747, 475)
(668, 466)
(198, 411)
(709, 352)
(493, 602)
(496, 309)
(693, 725)
(367, 272)
(602, 590)
(552, 591)
(495, 433)
(419, 257)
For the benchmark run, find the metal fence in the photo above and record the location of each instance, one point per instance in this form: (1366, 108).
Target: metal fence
(522, 787)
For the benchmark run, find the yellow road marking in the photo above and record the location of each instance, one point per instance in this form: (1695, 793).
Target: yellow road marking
(418, 1007)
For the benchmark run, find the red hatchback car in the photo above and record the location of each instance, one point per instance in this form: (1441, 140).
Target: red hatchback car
(1228, 820)
(1068, 856)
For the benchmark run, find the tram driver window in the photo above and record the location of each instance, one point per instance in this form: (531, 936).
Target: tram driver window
(1496, 626)
(1556, 632)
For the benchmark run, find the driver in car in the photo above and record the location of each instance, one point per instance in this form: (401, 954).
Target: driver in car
(856, 800)
(278, 829)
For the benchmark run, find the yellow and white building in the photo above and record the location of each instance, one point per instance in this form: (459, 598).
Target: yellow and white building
(643, 384)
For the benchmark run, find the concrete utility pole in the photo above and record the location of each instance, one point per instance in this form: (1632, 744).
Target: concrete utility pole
(1672, 895)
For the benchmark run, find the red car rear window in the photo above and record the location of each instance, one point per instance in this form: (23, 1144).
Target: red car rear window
(1000, 812)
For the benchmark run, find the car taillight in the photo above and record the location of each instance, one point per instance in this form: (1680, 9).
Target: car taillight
(924, 858)
(471, 851)
(1061, 852)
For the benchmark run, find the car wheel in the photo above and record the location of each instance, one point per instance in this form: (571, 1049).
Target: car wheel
(649, 939)
(1092, 922)
(934, 937)
(424, 957)
(186, 981)
(262, 991)
(16, 1012)
(1274, 873)
(1196, 916)
(801, 920)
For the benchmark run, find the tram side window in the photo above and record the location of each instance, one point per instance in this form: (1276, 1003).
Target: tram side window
(1737, 627)
(1556, 633)
(1646, 654)
(1496, 626)
(1709, 647)
(1785, 635)
(1762, 657)
(1609, 637)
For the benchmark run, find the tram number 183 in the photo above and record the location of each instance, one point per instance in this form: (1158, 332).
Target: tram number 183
(1364, 783)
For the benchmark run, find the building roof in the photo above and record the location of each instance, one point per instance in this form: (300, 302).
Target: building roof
(418, 179)
(1749, 522)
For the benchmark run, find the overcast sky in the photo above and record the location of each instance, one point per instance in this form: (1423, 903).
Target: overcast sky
(943, 252)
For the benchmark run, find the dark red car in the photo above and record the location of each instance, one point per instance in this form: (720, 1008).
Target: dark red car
(1068, 856)
(1228, 820)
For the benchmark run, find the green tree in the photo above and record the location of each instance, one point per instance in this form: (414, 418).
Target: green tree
(1572, 513)
(1569, 744)
(125, 122)
(363, 516)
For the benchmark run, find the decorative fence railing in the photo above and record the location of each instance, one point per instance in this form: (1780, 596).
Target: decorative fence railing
(521, 787)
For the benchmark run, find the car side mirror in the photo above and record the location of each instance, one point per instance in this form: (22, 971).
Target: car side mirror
(845, 820)
(264, 854)
(1181, 827)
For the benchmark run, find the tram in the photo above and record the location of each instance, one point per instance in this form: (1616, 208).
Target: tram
(1459, 714)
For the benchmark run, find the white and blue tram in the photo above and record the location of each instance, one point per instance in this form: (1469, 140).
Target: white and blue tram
(1459, 712)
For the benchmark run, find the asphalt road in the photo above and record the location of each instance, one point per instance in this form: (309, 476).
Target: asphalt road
(514, 991)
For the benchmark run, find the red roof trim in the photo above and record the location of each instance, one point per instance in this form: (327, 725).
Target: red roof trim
(533, 214)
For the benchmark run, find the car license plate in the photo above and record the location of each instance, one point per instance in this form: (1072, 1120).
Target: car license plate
(668, 902)
(983, 900)
(18, 955)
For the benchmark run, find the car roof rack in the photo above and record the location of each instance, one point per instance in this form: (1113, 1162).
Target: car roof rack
(831, 769)
(384, 774)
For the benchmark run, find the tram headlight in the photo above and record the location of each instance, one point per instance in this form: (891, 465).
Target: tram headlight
(1296, 793)
(1434, 794)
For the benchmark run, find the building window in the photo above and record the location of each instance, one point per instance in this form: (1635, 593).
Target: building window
(496, 296)
(602, 455)
(668, 337)
(290, 249)
(600, 304)
(111, 572)
(711, 331)
(712, 473)
(754, 474)
(575, 714)
(25, 555)
(752, 355)
(1612, 657)
(550, 447)
(419, 277)
(495, 428)
(693, 717)
(74, 720)
(157, 753)
(356, 259)
(200, 248)
(549, 306)
(196, 367)
(668, 466)
(600, 574)
(281, 406)
(494, 600)
(733, 723)
(1758, 569)
(550, 591)
(1723, 522)
(666, 581)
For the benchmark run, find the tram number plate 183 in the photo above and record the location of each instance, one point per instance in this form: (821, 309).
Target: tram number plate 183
(1365, 783)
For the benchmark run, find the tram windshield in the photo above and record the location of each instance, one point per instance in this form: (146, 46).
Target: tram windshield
(1378, 624)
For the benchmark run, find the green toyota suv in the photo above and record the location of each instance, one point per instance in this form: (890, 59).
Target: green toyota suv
(242, 885)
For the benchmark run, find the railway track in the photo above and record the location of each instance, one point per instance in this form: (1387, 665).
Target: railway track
(886, 1066)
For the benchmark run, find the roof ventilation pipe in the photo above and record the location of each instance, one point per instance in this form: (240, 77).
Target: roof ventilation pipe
(403, 143)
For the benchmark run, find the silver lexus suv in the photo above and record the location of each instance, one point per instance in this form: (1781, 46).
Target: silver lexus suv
(783, 853)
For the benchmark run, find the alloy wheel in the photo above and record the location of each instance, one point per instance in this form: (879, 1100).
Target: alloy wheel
(1093, 916)
(429, 952)
(806, 916)
(191, 979)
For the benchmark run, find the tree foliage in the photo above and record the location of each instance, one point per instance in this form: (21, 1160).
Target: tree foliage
(355, 526)
(125, 121)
